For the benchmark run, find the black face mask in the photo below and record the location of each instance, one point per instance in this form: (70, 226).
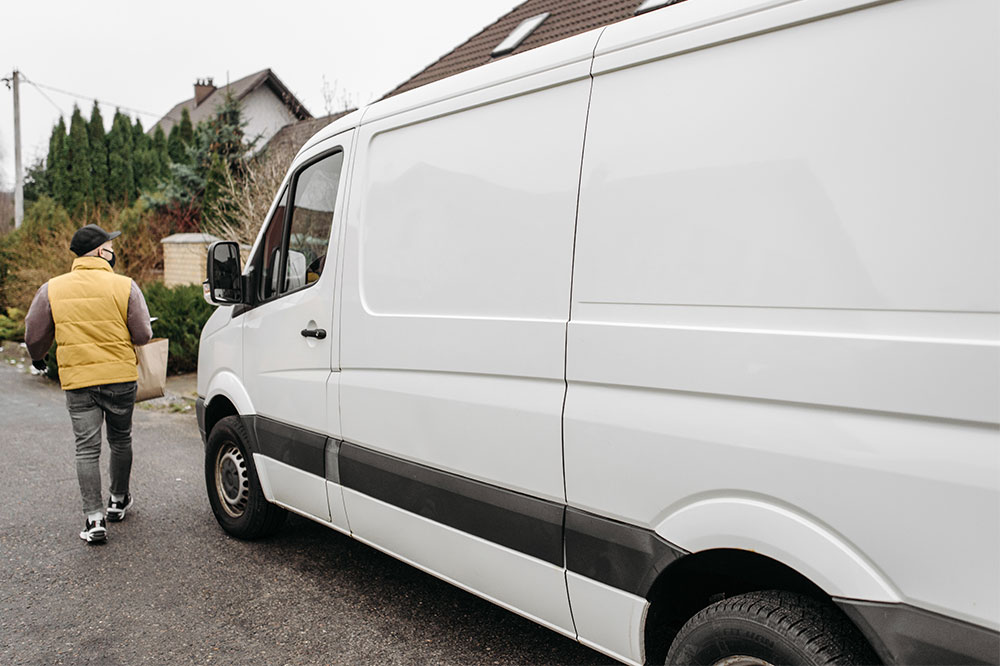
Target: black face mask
(112, 259)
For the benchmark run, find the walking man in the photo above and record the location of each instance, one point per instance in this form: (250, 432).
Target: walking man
(95, 317)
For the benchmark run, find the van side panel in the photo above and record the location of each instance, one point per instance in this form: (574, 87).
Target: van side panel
(787, 294)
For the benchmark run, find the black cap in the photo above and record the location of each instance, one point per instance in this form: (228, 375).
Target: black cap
(89, 237)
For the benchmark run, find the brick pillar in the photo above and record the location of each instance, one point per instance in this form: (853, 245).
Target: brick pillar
(184, 257)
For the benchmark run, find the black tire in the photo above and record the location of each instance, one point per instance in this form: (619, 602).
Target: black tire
(770, 628)
(233, 488)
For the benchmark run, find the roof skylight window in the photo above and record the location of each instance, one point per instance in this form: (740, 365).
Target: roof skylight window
(650, 5)
(519, 34)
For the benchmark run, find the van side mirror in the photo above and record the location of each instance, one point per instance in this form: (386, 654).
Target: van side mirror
(225, 284)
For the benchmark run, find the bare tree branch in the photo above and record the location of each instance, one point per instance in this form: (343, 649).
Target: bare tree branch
(241, 209)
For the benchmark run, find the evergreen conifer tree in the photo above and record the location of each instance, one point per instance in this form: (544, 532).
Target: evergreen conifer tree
(65, 195)
(215, 181)
(55, 139)
(55, 165)
(142, 157)
(81, 191)
(138, 134)
(161, 156)
(186, 128)
(225, 136)
(126, 128)
(98, 155)
(121, 181)
(129, 140)
(36, 182)
(175, 147)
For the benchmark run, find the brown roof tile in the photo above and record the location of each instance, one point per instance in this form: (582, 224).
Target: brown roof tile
(293, 136)
(566, 18)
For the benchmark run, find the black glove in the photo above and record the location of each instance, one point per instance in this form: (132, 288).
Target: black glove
(40, 365)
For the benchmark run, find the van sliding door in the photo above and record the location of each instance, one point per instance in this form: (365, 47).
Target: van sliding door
(455, 303)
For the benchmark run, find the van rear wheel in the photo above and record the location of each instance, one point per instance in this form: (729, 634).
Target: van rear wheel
(765, 628)
(234, 490)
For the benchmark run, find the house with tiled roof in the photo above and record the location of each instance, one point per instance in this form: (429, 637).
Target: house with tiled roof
(266, 103)
(531, 24)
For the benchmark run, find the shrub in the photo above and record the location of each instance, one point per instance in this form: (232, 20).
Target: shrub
(35, 252)
(140, 255)
(182, 313)
(39, 250)
(12, 325)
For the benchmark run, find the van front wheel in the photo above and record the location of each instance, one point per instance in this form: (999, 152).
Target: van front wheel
(233, 488)
(763, 628)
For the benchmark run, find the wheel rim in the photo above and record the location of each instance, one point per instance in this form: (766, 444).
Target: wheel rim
(232, 484)
(741, 660)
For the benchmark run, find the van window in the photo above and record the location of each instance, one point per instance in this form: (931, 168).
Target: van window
(311, 221)
(269, 258)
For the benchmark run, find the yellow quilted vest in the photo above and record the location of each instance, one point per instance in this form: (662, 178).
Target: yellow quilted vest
(90, 309)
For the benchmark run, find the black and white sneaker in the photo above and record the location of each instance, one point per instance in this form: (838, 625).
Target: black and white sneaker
(116, 510)
(94, 531)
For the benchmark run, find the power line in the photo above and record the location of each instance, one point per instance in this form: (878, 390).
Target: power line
(42, 93)
(89, 99)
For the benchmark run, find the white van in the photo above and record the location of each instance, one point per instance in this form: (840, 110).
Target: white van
(680, 337)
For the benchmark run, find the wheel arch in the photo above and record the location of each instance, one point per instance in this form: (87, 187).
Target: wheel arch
(740, 544)
(217, 409)
(225, 397)
(784, 533)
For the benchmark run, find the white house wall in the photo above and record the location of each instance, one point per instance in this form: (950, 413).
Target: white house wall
(265, 114)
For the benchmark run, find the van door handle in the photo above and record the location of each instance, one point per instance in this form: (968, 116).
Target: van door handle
(317, 333)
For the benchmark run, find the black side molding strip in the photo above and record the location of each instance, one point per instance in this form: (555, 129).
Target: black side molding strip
(523, 523)
(618, 554)
(302, 449)
(623, 556)
(906, 635)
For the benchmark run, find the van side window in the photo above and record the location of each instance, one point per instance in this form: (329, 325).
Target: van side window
(315, 196)
(269, 258)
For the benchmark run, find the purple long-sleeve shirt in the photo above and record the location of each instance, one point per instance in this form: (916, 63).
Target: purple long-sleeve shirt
(40, 328)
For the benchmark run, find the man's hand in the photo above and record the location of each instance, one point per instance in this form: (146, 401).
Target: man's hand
(40, 365)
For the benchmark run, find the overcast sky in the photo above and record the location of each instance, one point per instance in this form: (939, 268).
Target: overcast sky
(146, 56)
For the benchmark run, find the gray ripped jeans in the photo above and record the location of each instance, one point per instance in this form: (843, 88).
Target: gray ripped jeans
(88, 407)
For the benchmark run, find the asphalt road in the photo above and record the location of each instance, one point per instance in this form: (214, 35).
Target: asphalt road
(170, 587)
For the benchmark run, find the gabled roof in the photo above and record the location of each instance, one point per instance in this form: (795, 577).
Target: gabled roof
(240, 89)
(566, 18)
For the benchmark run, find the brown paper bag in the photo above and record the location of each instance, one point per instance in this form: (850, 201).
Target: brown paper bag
(151, 362)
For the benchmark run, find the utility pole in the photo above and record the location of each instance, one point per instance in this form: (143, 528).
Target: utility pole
(18, 172)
